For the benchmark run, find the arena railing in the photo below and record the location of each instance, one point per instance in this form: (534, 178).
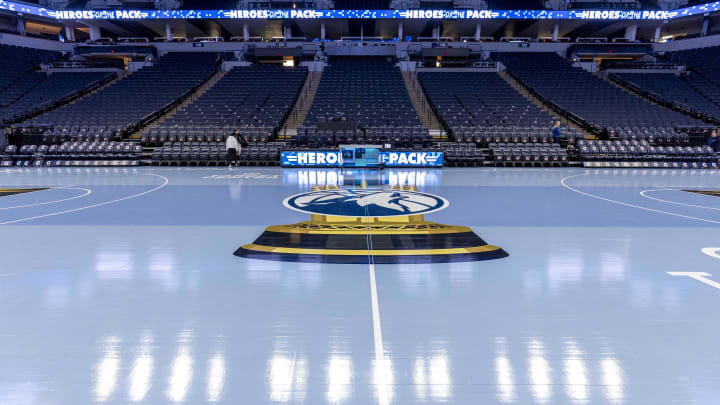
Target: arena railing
(173, 39)
(53, 104)
(133, 39)
(208, 39)
(570, 116)
(591, 39)
(480, 39)
(661, 100)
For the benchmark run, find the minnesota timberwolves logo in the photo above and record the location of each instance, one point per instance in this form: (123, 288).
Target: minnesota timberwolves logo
(366, 203)
(362, 225)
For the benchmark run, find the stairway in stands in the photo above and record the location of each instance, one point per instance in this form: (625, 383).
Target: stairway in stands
(520, 88)
(422, 106)
(189, 100)
(302, 106)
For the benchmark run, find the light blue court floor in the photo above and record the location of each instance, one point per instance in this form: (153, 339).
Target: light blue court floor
(120, 286)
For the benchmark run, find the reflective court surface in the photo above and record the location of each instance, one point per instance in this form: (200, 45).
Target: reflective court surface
(121, 286)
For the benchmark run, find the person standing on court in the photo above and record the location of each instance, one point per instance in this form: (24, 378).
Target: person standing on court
(556, 132)
(713, 141)
(233, 149)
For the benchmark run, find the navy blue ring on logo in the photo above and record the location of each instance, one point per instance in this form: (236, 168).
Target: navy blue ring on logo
(366, 202)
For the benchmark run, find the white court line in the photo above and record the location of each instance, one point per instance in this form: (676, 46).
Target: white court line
(674, 186)
(711, 251)
(94, 205)
(87, 193)
(643, 193)
(696, 275)
(562, 181)
(380, 365)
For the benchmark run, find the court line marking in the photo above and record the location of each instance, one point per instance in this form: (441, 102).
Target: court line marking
(712, 251)
(87, 193)
(562, 181)
(165, 183)
(674, 186)
(383, 397)
(642, 193)
(696, 275)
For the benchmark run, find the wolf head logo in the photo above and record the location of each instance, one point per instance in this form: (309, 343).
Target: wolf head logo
(366, 202)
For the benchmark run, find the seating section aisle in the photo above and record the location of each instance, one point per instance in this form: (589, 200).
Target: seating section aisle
(252, 100)
(593, 99)
(137, 97)
(51, 89)
(674, 89)
(479, 105)
(366, 90)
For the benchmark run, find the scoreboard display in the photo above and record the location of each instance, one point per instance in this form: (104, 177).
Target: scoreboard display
(360, 157)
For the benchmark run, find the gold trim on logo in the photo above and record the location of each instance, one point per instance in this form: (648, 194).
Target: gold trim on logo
(360, 252)
(370, 227)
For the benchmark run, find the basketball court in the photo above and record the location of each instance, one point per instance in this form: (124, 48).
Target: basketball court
(135, 295)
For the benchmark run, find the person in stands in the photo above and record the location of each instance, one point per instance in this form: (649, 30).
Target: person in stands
(556, 132)
(713, 141)
(232, 146)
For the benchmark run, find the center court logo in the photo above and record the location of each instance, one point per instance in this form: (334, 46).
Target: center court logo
(366, 203)
(358, 225)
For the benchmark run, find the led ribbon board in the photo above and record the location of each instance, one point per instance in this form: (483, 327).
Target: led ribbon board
(386, 158)
(609, 15)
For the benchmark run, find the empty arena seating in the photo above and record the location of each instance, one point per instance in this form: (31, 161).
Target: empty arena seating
(654, 135)
(20, 87)
(137, 97)
(464, 155)
(504, 154)
(73, 154)
(641, 153)
(51, 89)
(589, 97)
(523, 134)
(214, 154)
(397, 136)
(366, 90)
(533, 154)
(17, 64)
(248, 99)
(674, 89)
(705, 72)
(475, 104)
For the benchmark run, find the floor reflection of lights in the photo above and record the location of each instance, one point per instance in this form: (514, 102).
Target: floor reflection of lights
(504, 373)
(383, 379)
(107, 369)
(142, 370)
(539, 372)
(217, 370)
(613, 380)
(575, 373)
(181, 371)
(339, 376)
(288, 378)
